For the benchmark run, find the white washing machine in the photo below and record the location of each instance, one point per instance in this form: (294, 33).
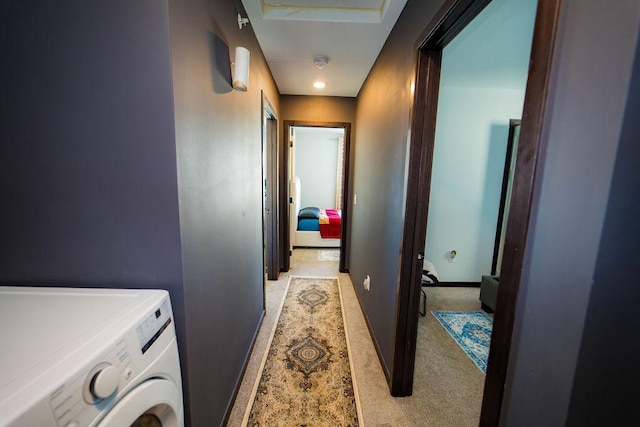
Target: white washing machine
(88, 357)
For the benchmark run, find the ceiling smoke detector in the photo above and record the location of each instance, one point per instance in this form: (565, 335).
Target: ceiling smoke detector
(320, 61)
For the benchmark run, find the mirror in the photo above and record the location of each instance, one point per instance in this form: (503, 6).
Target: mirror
(505, 198)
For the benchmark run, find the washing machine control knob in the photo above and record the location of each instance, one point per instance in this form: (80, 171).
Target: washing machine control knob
(105, 382)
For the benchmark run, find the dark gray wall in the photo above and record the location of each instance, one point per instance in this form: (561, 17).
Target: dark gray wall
(105, 182)
(590, 78)
(607, 376)
(218, 137)
(88, 175)
(318, 108)
(380, 161)
(88, 181)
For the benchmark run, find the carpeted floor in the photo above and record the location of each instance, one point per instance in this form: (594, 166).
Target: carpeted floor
(447, 385)
(306, 374)
(329, 255)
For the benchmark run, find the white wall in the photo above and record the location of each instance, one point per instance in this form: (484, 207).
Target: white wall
(471, 138)
(484, 71)
(316, 162)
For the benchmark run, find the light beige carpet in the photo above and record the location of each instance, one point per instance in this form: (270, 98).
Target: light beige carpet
(306, 376)
(329, 255)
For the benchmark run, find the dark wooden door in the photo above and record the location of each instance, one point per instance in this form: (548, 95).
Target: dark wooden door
(271, 197)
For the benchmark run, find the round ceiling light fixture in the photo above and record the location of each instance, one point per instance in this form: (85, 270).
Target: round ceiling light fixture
(320, 61)
(319, 85)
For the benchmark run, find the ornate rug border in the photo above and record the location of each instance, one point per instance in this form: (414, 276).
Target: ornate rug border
(256, 384)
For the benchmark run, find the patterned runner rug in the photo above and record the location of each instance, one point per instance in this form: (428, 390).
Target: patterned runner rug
(471, 330)
(306, 376)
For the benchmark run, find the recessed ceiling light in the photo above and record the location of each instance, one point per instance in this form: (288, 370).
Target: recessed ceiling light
(319, 85)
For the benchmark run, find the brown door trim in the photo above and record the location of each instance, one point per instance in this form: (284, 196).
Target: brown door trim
(283, 198)
(284, 186)
(449, 21)
(270, 186)
(531, 131)
(423, 128)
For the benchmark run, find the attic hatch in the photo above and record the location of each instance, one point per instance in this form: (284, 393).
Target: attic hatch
(361, 11)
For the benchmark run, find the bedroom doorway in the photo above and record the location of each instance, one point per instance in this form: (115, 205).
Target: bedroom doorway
(474, 107)
(451, 19)
(319, 173)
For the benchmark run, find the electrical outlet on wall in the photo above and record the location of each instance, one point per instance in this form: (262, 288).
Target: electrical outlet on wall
(367, 283)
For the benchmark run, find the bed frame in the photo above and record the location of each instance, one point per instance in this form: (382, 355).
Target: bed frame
(309, 239)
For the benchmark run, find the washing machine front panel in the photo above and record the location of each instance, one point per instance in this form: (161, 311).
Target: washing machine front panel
(79, 386)
(157, 399)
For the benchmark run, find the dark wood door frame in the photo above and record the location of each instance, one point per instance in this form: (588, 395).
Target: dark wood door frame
(450, 20)
(270, 188)
(531, 132)
(285, 237)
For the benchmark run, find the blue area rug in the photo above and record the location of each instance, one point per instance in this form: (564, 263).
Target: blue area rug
(471, 330)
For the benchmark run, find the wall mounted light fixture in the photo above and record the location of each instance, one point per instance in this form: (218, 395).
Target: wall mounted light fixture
(241, 70)
(242, 21)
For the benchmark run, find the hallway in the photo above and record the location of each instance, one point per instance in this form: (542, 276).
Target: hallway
(448, 386)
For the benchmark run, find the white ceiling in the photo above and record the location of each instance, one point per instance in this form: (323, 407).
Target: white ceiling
(350, 33)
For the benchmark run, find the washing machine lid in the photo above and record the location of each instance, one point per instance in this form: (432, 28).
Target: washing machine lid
(40, 327)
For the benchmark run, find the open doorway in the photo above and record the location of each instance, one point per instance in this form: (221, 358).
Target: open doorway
(316, 177)
(316, 187)
(450, 21)
(482, 85)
